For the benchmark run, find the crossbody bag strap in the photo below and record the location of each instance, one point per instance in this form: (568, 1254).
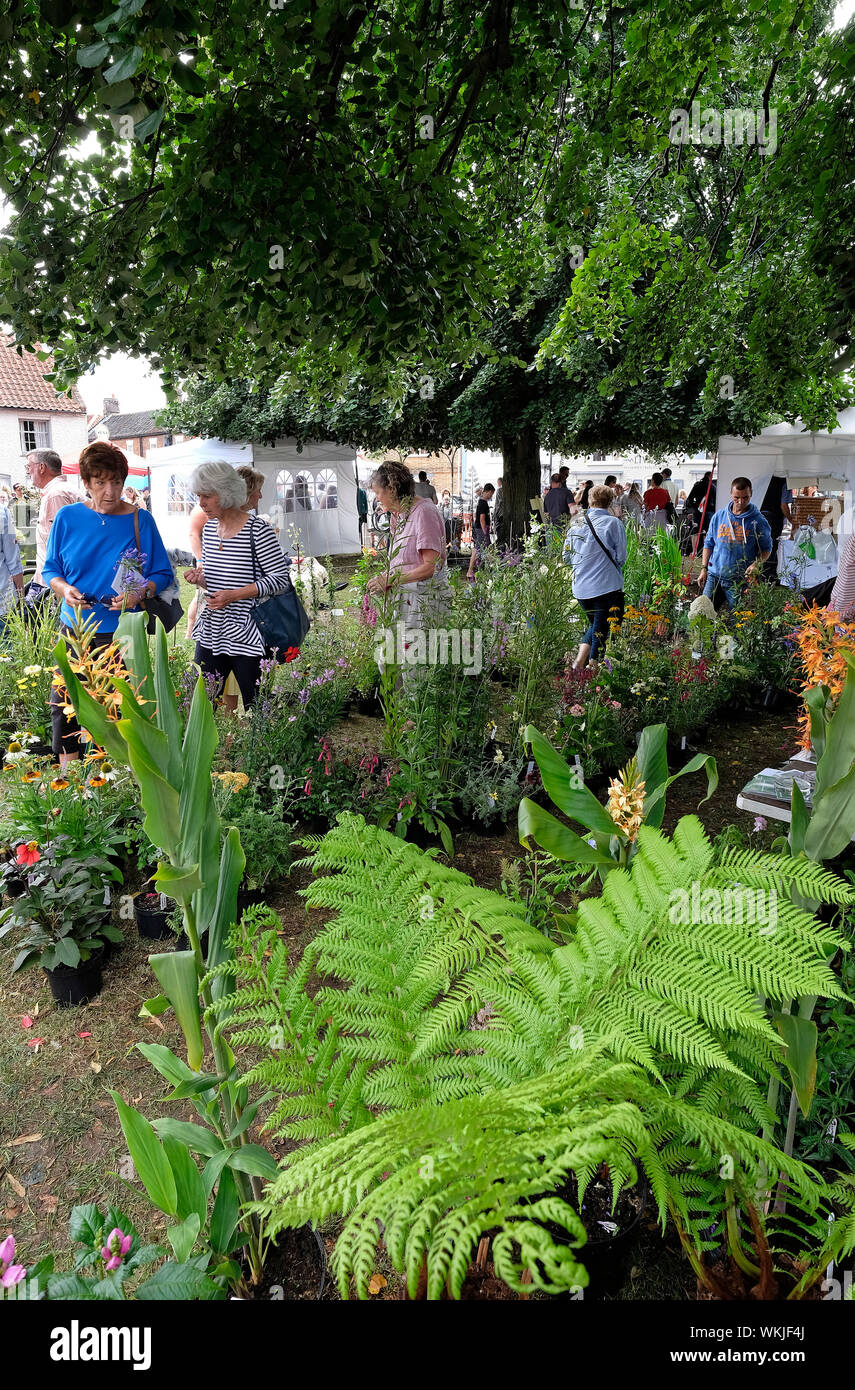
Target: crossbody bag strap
(604, 548)
(253, 554)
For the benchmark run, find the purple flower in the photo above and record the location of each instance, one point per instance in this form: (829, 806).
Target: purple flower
(118, 1245)
(760, 823)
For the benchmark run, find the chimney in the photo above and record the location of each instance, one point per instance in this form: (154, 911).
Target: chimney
(111, 405)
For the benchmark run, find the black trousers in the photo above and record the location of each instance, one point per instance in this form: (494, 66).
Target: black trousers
(600, 610)
(245, 669)
(65, 729)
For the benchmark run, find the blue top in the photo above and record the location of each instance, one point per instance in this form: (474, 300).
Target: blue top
(736, 541)
(10, 555)
(593, 572)
(85, 547)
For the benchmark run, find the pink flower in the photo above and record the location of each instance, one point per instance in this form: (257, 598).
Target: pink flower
(118, 1245)
(307, 787)
(10, 1274)
(27, 855)
(616, 704)
(576, 709)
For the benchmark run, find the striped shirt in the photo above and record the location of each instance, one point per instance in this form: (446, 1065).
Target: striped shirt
(228, 565)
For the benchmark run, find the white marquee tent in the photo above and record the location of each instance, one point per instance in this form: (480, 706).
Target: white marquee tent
(823, 457)
(309, 495)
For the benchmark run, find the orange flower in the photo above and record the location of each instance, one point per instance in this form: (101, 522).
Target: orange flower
(31, 776)
(822, 639)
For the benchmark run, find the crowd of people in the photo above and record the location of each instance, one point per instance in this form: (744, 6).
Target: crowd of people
(104, 555)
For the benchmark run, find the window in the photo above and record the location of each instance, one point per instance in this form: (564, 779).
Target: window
(295, 493)
(35, 434)
(326, 489)
(180, 500)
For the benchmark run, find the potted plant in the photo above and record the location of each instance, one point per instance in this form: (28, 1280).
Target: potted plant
(61, 921)
(153, 912)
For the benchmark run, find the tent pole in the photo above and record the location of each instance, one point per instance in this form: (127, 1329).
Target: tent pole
(688, 573)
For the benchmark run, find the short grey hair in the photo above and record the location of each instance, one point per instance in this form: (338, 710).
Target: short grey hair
(223, 480)
(48, 458)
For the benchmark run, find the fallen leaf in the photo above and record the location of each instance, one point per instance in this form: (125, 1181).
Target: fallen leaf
(376, 1283)
(16, 1186)
(49, 1090)
(26, 1139)
(9, 1213)
(96, 1066)
(48, 1202)
(84, 1035)
(26, 1021)
(34, 1042)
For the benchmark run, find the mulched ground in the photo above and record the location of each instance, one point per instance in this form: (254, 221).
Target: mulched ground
(60, 1141)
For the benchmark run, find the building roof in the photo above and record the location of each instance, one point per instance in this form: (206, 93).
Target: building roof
(23, 385)
(139, 424)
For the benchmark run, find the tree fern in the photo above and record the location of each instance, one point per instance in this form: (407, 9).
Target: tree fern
(444, 1029)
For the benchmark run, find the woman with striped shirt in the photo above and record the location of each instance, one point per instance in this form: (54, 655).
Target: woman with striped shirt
(227, 638)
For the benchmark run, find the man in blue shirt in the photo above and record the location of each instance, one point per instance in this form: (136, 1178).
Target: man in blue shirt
(597, 551)
(737, 543)
(11, 569)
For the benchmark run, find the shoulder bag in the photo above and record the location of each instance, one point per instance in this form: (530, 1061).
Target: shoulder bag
(281, 619)
(604, 548)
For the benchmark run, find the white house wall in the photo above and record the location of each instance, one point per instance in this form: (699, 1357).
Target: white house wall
(68, 436)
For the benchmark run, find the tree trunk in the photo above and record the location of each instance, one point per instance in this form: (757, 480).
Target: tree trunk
(521, 471)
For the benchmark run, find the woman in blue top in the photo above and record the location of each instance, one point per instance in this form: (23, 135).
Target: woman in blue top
(93, 545)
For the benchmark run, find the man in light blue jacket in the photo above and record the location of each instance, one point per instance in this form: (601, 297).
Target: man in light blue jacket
(596, 549)
(11, 568)
(737, 543)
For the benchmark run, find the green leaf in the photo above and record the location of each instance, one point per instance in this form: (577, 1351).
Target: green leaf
(799, 820)
(183, 1237)
(198, 1139)
(154, 1007)
(561, 784)
(124, 67)
(149, 124)
(93, 54)
(832, 820)
(66, 1288)
(195, 1085)
(534, 823)
(178, 881)
(179, 1283)
(214, 1168)
(226, 1213)
(89, 713)
(253, 1159)
(188, 79)
(232, 865)
(163, 1060)
(68, 951)
(191, 1196)
(800, 1035)
(176, 972)
(654, 804)
(85, 1224)
(149, 1158)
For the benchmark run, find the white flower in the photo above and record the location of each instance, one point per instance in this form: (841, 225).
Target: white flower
(500, 757)
(33, 670)
(15, 757)
(726, 647)
(544, 569)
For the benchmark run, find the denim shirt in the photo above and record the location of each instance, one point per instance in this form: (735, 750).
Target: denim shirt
(593, 572)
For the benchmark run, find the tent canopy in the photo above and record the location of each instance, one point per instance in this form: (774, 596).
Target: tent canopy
(823, 457)
(309, 494)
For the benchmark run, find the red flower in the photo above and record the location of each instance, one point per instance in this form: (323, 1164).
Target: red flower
(28, 855)
(291, 653)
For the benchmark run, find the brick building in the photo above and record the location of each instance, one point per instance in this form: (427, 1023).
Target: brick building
(33, 414)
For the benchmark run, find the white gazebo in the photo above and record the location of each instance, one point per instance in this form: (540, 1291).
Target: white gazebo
(823, 457)
(309, 494)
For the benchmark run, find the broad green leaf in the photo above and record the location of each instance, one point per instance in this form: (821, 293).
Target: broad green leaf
(838, 756)
(832, 821)
(183, 1237)
(90, 714)
(253, 1159)
(179, 881)
(654, 805)
(67, 1288)
(191, 1196)
(214, 1168)
(561, 784)
(85, 1224)
(124, 67)
(93, 54)
(800, 1036)
(163, 1060)
(198, 1139)
(232, 865)
(534, 823)
(799, 820)
(148, 1155)
(154, 1007)
(179, 1283)
(168, 718)
(176, 973)
(226, 1213)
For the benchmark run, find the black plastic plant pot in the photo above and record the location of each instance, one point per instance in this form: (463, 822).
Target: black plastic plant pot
(249, 897)
(71, 985)
(13, 886)
(152, 919)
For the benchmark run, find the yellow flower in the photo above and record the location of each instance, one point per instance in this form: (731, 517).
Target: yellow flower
(31, 777)
(59, 784)
(97, 781)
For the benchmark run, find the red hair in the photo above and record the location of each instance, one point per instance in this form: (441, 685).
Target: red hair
(104, 459)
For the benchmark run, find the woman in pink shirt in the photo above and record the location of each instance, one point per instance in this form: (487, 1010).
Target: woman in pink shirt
(417, 547)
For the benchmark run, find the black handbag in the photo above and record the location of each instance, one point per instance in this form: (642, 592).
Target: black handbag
(165, 606)
(281, 619)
